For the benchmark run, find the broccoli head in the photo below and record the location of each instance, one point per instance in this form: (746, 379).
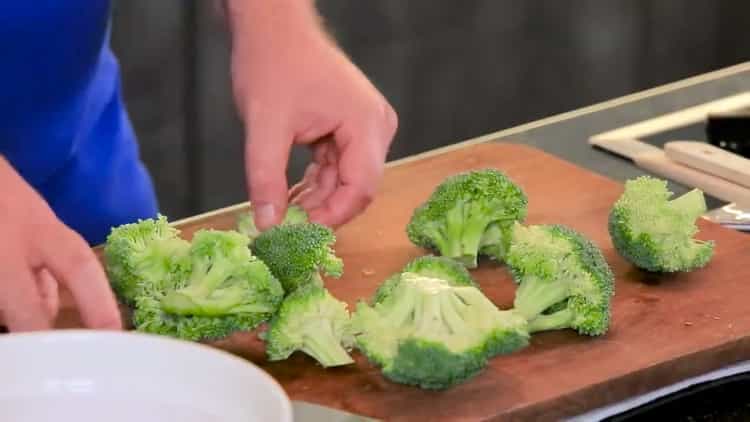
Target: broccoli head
(438, 267)
(228, 289)
(311, 320)
(467, 214)
(297, 254)
(246, 221)
(433, 334)
(565, 282)
(656, 233)
(144, 255)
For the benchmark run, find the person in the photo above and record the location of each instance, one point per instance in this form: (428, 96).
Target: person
(69, 163)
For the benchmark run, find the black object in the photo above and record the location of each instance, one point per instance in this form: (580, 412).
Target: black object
(730, 131)
(724, 400)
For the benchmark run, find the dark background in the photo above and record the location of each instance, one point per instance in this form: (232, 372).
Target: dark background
(453, 70)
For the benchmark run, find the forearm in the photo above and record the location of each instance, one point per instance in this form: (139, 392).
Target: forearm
(264, 24)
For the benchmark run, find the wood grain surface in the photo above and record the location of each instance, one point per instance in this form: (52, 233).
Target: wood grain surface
(664, 329)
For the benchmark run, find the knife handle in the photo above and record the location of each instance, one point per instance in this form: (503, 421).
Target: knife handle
(658, 163)
(710, 159)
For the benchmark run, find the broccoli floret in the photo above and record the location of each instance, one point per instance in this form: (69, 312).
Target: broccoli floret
(144, 255)
(460, 211)
(228, 289)
(246, 221)
(311, 320)
(565, 282)
(440, 267)
(435, 335)
(298, 254)
(656, 233)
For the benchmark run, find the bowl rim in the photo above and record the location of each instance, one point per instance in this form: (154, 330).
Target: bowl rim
(6, 339)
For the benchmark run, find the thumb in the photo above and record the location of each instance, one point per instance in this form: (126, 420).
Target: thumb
(266, 158)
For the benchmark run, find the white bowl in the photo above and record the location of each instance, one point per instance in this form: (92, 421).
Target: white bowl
(82, 375)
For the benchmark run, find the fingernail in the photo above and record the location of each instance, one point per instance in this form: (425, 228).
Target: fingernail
(265, 215)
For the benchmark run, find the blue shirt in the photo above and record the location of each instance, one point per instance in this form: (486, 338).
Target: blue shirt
(63, 125)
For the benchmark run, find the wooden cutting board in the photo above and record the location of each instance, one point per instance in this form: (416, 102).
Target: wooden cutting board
(663, 330)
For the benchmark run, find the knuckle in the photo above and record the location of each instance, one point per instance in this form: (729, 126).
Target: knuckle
(77, 256)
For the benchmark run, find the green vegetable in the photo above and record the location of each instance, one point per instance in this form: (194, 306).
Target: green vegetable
(246, 221)
(311, 320)
(298, 254)
(467, 215)
(144, 255)
(565, 282)
(656, 233)
(226, 290)
(434, 334)
(443, 268)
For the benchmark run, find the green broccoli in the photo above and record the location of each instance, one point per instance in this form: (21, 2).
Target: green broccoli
(431, 266)
(246, 221)
(311, 320)
(565, 282)
(297, 254)
(144, 255)
(228, 289)
(433, 334)
(655, 233)
(467, 214)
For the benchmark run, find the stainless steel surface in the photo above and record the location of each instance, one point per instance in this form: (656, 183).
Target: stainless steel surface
(730, 216)
(309, 412)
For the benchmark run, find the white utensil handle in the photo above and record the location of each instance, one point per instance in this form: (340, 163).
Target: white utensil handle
(658, 163)
(710, 159)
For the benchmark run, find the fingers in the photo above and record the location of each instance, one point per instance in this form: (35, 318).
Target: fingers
(47, 287)
(308, 181)
(21, 304)
(266, 158)
(361, 158)
(71, 262)
(323, 188)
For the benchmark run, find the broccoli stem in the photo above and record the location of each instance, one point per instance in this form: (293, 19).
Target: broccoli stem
(534, 295)
(448, 237)
(554, 321)
(692, 203)
(193, 299)
(321, 343)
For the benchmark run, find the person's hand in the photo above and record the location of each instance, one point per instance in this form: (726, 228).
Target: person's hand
(36, 253)
(293, 86)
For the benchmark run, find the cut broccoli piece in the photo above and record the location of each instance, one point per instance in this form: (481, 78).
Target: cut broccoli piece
(144, 255)
(565, 282)
(311, 320)
(439, 267)
(455, 219)
(495, 241)
(297, 254)
(246, 221)
(655, 233)
(435, 335)
(227, 290)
